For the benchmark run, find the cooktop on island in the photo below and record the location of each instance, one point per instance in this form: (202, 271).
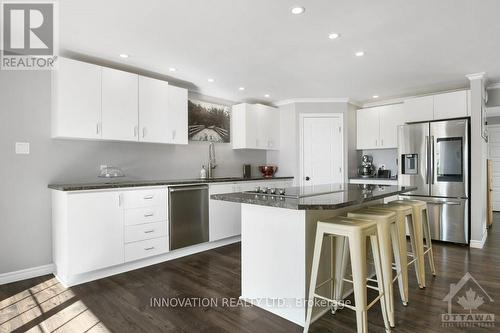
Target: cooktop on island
(298, 192)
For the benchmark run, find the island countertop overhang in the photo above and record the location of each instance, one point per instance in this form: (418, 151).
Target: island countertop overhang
(347, 195)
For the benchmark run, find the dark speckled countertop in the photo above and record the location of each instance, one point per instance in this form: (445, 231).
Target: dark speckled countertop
(110, 183)
(345, 195)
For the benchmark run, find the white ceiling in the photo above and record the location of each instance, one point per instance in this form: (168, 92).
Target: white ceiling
(411, 47)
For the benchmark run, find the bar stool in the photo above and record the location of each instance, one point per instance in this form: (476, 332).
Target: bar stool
(421, 230)
(403, 212)
(387, 230)
(356, 231)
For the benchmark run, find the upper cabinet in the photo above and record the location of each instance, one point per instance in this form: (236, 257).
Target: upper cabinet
(119, 105)
(76, 100)
(94, 102)
(436, 107)
(377, 127)
(255, 126)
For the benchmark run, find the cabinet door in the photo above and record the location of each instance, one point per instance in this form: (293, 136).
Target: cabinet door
(252, 127)
(268, 119)
(77, 100)
(391, 116)
(450, 105)
(153, 110)
(367, 132)
(225, 217)
(177, 115)
(95, 231)
(418, 109)
(119, 105)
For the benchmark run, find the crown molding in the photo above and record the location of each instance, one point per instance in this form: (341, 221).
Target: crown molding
(476, 76)
(316, 100)
(399, 100)
(493, 86)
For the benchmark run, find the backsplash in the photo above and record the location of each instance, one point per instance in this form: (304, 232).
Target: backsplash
(383, 156)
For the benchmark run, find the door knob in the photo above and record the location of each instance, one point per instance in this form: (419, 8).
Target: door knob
(308, 178)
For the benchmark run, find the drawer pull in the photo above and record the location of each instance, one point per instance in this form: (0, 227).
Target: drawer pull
(149, 248)
(149, 231)
(149, 214)
(148, 197)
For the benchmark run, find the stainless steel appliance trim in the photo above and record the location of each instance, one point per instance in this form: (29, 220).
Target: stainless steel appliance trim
(432, 160)
(427, 160)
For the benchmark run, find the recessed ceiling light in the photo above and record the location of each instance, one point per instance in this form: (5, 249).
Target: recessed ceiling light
(298, 10)
(123, 55)
(211, 80)
(241, 88)
(267, 95)
(333, 35)
(359, 54)
(375, 96)
(172, 69)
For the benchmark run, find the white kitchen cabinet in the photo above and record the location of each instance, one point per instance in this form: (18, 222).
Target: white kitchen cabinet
(224, 217)
(153, 110)
(255, 126)
(367, 130)
(450, 105)
(390, 117)
(119, 105)
(76, 100)
(419, 109)
(94, 231)
(177, 127)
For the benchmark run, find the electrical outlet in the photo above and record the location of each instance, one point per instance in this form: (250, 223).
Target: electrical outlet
(22, 148)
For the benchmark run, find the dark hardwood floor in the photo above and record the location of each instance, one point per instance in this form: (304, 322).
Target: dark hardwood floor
(121, 303)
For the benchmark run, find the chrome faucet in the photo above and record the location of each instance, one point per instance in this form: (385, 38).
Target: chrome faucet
(212, 163)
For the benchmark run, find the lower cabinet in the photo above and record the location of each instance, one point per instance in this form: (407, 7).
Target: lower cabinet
(224, 217)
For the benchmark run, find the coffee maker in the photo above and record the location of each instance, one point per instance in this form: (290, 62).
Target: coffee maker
(366, 169)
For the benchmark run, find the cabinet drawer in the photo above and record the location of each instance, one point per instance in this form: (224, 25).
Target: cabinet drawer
(145, 215)
(145, 198)
(146, 248)
(134, 233)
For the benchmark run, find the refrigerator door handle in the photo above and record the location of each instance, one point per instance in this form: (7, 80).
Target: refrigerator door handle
(432, 161)
(427, 159)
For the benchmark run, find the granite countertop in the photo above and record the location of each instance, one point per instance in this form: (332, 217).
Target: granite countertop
(110, 183)
(347, 195)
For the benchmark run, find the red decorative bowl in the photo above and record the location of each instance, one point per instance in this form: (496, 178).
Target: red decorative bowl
(268, 171)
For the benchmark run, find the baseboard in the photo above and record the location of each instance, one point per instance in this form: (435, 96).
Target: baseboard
(478, 244)
(27, 273)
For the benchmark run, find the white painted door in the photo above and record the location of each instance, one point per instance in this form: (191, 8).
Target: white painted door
(95, 234)
(322, 149)
(367, 128)
(153, 110)
(494, 155)
(119, 105)
(177, 115)
(77, 100)
(391, 116)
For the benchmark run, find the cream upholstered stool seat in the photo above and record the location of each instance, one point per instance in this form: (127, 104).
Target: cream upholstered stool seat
(388, 236)
(421, 231)
(356, 231)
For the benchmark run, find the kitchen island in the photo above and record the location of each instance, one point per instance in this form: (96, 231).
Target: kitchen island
(277, 241)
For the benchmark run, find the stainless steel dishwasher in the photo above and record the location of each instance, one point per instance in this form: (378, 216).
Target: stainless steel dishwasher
(188, 215)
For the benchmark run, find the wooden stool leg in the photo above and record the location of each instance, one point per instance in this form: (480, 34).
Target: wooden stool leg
(318, 243)
(428, 242)
(380, 284)
(357, 247)
(413, 229)
(385, 246)
(399, 248)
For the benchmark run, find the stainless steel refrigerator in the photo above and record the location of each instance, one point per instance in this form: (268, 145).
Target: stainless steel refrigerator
(434, 157)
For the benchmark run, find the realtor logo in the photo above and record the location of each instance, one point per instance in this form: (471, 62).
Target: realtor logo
(29, 35)
(469, 295)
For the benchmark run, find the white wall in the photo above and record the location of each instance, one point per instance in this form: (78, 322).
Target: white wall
(25, 206)
(287, 158)
(479, 153)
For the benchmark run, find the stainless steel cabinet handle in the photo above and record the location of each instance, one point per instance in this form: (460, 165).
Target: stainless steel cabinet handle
(119, 200)
(97, 128)
(144, 132)
(149, 214)
(427, 160)
(382, 142)
(432, 154)
(135, 131)
(149, 248)
(376, 143)
(148, 197)
(149, 231)
(451, 203)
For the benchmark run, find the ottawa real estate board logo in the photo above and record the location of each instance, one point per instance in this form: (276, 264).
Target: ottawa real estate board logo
(464, 301)
(29, 35)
